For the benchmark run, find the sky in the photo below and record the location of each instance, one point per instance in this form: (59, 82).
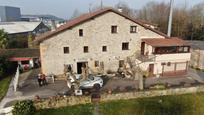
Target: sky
(65, 8)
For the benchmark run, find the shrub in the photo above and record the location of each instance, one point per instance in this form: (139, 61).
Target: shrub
(6, 67)
(25, 107)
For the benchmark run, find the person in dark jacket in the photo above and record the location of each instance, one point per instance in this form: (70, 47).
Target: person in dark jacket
(40, 79)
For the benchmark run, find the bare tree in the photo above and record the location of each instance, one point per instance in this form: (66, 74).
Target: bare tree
(76, 13)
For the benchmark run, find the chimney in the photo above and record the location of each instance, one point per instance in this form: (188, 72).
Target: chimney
(120, 9)
(54, 27)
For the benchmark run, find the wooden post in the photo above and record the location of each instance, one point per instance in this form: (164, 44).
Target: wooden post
(141, 82)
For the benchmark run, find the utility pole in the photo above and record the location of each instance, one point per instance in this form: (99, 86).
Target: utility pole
(170, 18)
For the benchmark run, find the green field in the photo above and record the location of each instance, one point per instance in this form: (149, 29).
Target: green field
(189, 104)
(4, 85)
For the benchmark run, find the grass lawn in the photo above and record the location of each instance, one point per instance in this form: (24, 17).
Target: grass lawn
(188, 104)
(4, 85)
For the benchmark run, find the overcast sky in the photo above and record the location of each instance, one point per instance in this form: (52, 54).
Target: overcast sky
(65, 8)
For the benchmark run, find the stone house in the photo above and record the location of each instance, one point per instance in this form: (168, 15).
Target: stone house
(102, 40)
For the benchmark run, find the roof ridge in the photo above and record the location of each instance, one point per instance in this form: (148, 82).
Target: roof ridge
(85, 17)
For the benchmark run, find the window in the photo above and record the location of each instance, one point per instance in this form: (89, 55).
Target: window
(125, 46)
(66, 50)
(183, 49)
(113, 29)
(102, 64)
(121, 63)
(169, 64)
(24, 62)
(96, 63)
(80, 32)
(133, 29)
(104, 48)
(86, 49)
(163, 63)
(186, 49)
(180, 49)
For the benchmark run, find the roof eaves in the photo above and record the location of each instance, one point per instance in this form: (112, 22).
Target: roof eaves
(97, 13)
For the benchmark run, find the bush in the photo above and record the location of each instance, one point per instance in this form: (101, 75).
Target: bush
(25, 107)
(6, 67)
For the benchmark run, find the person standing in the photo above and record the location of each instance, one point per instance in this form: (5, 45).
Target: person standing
(44, 79)
(39, 79)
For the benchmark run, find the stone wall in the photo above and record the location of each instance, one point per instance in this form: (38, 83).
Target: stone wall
(96, 33)
(57, 102)
(197, 58)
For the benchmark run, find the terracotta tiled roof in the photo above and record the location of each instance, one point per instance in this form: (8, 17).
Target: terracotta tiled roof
(86, 17)
(165, 42)
(11, 53)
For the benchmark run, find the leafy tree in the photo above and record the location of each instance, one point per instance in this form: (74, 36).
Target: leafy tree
(198, 34)
(3, 39)
(6, 67)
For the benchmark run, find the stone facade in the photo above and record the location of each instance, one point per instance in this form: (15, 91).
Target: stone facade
(197, 59)
(96, 33)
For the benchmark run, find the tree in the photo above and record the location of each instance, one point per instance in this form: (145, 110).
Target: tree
(199, 34)
(156, 13)
(75, 14)
(3, 39)
(6, 67)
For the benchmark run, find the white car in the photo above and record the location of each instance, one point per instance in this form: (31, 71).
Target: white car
(91, 81)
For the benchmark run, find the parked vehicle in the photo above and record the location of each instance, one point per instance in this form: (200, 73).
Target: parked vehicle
(91, 81)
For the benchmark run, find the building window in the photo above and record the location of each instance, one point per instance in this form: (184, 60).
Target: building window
(121, 63)
(133, 29)
(163, 63)
(113, 29)
(86, 49)
(102, 64)
(169, 64)
(186, 49)
(125, 46)
(104, 48)
(96, 63)
(80, 32)
(66, 50)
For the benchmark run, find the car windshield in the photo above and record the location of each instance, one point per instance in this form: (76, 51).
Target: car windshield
(91, 77)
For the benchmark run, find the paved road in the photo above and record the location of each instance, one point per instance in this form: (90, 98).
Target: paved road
(29, 88)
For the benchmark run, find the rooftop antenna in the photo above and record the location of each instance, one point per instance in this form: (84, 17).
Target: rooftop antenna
(170, 18)
(90, 7)
(101, 4)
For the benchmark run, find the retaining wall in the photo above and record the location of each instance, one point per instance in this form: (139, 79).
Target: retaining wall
(56, 102)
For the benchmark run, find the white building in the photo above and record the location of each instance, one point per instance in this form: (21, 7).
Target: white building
(164, 57)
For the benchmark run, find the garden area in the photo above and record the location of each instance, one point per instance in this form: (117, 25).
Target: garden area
(188, 104)
(4, 85)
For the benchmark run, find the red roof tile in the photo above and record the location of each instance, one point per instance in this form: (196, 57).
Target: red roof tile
(155, 42)
(86, 17)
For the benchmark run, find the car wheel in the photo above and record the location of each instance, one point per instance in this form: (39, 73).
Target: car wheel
(97, 86)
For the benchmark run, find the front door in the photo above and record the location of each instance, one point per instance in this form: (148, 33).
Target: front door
(142, 48)
(151, 70)
(81, 65)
